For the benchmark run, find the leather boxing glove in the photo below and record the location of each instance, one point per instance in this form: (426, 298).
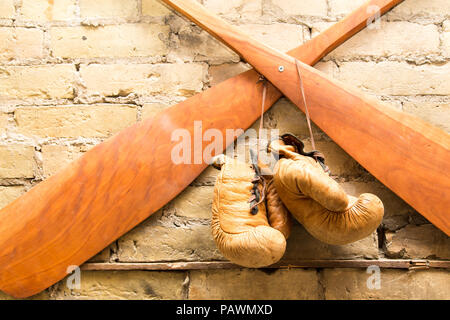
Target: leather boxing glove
(317, 201)
(241, 225)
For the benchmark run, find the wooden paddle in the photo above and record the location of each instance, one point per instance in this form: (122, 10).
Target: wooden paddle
(408, 155)
(77, 212)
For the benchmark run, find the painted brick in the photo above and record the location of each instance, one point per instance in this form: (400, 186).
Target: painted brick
(446, 39)
(8, 194)
(152, 109)
(436, 113)
(3, 123)
(74, 121)
(128, 40)
(341, 7)
(144, 79)
(16, 161)
(303, 8)
(351, 284)
(45, 10)
(45, 82)
(418, 8)
(108, 8)
(253, 284)
(397, 78)
(154, 8)
(20, 43)
(235, 8)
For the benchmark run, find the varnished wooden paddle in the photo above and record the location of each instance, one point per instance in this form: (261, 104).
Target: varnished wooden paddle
(408, 155)
(74, 214)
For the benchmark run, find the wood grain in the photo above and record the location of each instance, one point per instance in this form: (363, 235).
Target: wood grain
(68, 218)
(408, 155)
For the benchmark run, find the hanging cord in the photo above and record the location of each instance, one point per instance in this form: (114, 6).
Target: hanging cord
(258, 198)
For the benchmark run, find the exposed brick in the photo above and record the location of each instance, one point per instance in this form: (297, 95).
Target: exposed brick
(74, 121)
(3, 122)
(235, 8)
(184, 242)
(144, 79)
(45, 10)
(225, 71)
(108, 8)
(340, 7)
(418, 8)
(397, 78)
(301, 245)
(154, 8)
(152, 109)
(126, 285)
(446, 39)
(45, 82)
(16, 161)
(417, 242)
(194, 202)
(7, 9)
(351, 284)
(208, 176)
(281, 36)
(393, 38)
(193, 44)
(303, 8)
(250, 284)
(436, 113)
(20, 43)
(56, 157)
(8, 194)
(397, 212)
(128, 40)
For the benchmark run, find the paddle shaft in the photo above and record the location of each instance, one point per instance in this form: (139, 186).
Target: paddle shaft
(77, 212)
(409, 156)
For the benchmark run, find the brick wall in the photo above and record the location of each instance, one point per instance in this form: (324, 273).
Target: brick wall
(74, 72)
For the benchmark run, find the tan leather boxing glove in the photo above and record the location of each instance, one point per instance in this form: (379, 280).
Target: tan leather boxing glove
(317, 201)
(241, 225)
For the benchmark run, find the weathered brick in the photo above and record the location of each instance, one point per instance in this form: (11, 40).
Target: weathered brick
(8, 194)
(418, 8)
(3, 122)
(45, 10)
(144, 79)
(45, 82)
(225, 71)
(235, 8)
(194, 202)
(393, 38)
(301, 245)
(281, 36)
(154, 8)
(424, 241)
(303, 8)
(20, 43)
(152, 109)
(108, 8)
(7, 9)
(16, 161)
(446, 39)
(128, 40)
(184, 242)
(397, 212)
(125, 285)
(56, 157)
(340, 7)
(74, 121)
(351, 284)
(436, 113)
(193, 44)
(397, 78)
(254, 284)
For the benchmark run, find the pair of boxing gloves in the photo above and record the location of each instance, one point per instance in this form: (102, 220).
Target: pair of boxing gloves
(252, 206)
